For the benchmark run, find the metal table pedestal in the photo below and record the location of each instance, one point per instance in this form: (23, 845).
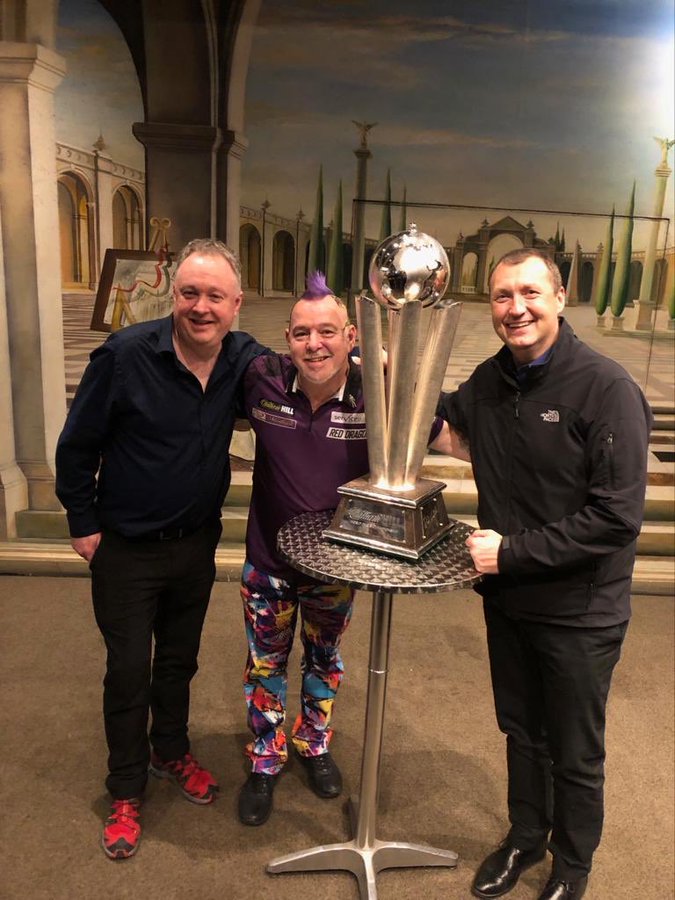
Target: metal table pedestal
(445, 567)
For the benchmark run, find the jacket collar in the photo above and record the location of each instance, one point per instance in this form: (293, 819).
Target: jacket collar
(507, 367)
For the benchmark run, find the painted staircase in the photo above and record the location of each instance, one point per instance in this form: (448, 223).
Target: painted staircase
(42, 546)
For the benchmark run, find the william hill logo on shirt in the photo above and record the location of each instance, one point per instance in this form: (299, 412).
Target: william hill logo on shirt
(277, 407)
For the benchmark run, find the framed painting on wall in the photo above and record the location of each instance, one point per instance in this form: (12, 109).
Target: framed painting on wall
(135, 286)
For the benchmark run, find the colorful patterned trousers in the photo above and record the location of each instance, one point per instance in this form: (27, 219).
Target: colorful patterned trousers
(270, 613)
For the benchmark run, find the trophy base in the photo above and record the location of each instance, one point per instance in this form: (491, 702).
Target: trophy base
(404, 524)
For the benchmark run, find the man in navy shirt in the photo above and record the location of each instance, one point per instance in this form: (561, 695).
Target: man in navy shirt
(142, 470)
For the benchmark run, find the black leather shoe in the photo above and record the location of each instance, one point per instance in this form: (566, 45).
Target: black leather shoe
(255, 798)
(324, 776)
(499, 872)
(561, 890)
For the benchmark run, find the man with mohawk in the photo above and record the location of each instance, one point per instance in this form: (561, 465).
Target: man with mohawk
(306, 410)
(308, 416)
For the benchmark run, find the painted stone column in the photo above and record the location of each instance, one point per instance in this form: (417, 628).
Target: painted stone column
(362, 154)
(103, 169)
(646, 306)
(457, 265)
(227, 197)
(13, 485)
(29, 74)
(179, 170)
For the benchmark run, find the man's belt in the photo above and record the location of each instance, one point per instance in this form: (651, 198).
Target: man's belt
(173, 533)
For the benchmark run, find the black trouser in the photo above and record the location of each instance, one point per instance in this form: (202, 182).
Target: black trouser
(550, 685)
(142, 589)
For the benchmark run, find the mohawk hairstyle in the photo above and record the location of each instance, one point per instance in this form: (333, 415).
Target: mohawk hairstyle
(316, 287)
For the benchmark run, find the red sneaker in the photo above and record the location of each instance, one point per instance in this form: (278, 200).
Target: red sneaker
(197, 784)
(122, 830)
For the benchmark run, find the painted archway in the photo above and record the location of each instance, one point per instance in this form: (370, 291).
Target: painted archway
(586, 281)
(635, 278)
(497, 247)
(75, 231)
(283, 262)
(127, 223)
(469, 272)
(249, 256)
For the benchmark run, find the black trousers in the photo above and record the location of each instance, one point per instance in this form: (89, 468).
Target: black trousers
(143, 590)
(550, 686)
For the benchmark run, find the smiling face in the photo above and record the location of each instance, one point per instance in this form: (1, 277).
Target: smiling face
(320, 339)
(207, 296)
(525, 307)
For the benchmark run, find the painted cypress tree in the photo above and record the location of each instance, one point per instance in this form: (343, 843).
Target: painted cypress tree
(601, 290)
(621, 281)
(335, 271)
(404, 210)
(385, 224)
(316, 256)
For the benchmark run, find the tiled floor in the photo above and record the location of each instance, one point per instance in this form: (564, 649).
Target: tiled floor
(649, 358)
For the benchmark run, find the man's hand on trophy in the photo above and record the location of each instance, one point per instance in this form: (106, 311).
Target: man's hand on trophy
(355, 356)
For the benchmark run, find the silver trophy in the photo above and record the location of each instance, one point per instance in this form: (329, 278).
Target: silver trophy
(393, 510)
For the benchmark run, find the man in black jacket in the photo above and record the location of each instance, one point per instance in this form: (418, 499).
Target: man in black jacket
(557, 435)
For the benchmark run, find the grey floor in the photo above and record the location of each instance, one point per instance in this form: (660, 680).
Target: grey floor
(442, 762)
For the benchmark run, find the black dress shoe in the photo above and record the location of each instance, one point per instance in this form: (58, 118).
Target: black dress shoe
(324, 775)
(255, 798)
(500, 871)
(560, 890)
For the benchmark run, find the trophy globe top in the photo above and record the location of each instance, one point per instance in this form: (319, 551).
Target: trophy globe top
(409, 267)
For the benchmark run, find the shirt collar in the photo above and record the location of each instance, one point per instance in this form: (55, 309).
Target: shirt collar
(539, 361)
(338, 395)
(165, 341)
(165, 335)
(349, 391)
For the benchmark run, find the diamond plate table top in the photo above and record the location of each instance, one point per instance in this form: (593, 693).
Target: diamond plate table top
(446, 566)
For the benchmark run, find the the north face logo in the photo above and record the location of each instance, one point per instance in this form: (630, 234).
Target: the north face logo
(551, 415)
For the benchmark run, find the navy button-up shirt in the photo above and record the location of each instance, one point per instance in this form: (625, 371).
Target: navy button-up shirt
(159, 443)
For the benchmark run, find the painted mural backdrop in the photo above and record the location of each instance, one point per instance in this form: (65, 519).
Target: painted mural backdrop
(514, 105)
(507, 117)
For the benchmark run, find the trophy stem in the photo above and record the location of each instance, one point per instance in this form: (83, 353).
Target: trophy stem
(402, 394)
(372, 375)
(393, 320)
(441, 336)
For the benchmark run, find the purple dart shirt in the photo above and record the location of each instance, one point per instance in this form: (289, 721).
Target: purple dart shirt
(301, 457)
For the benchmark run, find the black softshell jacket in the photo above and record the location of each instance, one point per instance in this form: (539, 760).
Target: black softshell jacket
(560, 465)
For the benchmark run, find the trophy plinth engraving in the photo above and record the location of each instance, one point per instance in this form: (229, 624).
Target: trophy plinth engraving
(393, 510)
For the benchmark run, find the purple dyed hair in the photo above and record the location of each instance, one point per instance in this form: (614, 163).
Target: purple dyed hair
(316, 286)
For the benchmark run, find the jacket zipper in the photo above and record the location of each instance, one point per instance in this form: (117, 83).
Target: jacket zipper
(512, 437)
(610, 457)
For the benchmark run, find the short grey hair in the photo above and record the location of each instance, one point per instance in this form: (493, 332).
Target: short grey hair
(210, 247)
(516, 257)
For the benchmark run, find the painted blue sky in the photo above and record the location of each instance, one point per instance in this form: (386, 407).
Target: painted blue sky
(519, 103)
(100, 93)
(514, 103)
